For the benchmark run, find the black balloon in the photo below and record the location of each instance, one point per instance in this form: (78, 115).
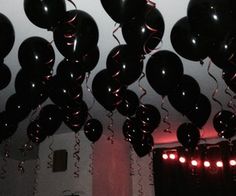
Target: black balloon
(188, 135)
(132, 130)
(50, 119)
(223, 52)
(212, 18)
(185, 96)
(107, 91)
(164, 71)
(227, 133)
(70, 72)
(76, 35)
(63, 94)
(190, 45)
(230, 79)
(45, 13)
(31, 88)
(201, 111)
(89, 60)
(123, 10)
(7, 127)
(149, 117)
(5, 76)
(17, 108)
(93, 129)
(145, 31)
(35, 132)
(75, 117)
(7, 36)
(36, 56)
(224, 123)
(124, 64)
(144, 146)
(128, 104)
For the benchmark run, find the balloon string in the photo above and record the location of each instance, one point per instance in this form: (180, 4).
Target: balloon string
(153, 4)
(91, 157)
(26, 147)
(72, 2)
(152, 30)
(5, 157)
(166, 118)
(230, 104)
(113, 33)
(131, 158)
(140, 190)
(70, 37)
(20, 166)
(50, 61)
(109, 127)
(76, 155)
(89, 90)
(150, 167)
(144, 91)
(34, 116)
(217, 87)
(36, 174)
(50, 155)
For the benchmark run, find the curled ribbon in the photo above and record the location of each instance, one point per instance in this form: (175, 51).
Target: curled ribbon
(109, 127)
(144, 91)
(26, 147)
(76, 155)
(217, 86)
(90, 91)
(114, 31)
(166, 118)
(91, 157)
(152, 30)
(230, 103)
(34, 115)
(140, 190)
(153, 4)
(50, 155)
(36, 174)
(72, 2)
(150, 167)
(131, 158)
(72, 35)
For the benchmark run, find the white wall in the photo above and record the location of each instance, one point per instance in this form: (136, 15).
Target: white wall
(55, 183)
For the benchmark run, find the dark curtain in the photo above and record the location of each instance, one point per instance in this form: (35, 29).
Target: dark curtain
(172, 178)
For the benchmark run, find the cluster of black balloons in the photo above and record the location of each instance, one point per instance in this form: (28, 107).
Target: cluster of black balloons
(138, 129)
(165, 75)
(8, 123)
(208, 30)
(142, 28)
(7, 39)
(142, 24)
(76, 35)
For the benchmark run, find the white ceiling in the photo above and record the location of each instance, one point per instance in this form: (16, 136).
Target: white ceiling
(171, 11)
